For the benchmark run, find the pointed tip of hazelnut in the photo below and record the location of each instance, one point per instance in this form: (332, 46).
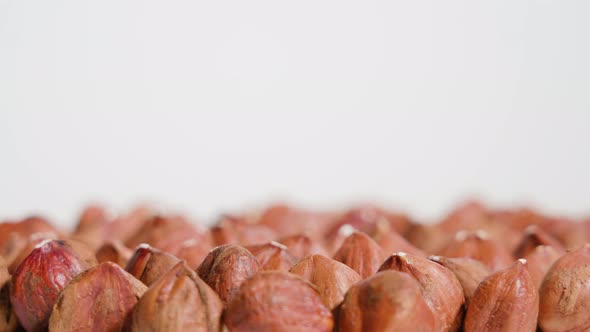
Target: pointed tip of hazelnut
(481, 234)
(278, 245)
(435, 258)
(522, 261)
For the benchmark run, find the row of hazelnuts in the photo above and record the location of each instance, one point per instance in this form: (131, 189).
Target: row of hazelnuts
(289, 269)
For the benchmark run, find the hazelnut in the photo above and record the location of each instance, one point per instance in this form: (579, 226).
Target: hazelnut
(226, 268)
(469, 272)
(534, 236)
(165, 233)
(277, 301)
(301, 245)
(391, 241)
(98, 299)
(478, 245)
(240, 230)
(539, 261)
(507, 300)
(361, 253)
(33, 240)
(285, 220)
(441, 289)
(40, 277)
(332, 278)
(178, 301)
(14, 236)
(114, 251)
(193, 252)
(565, 293)
(386, 301)
(125, 226)
(92, 226)
(273, 256)
(428, 238)
(148, 264)
(8, 321)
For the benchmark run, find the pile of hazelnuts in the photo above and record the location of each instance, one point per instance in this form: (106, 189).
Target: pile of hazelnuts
(291, 269)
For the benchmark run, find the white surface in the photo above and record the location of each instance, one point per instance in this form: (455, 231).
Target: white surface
(208, 106)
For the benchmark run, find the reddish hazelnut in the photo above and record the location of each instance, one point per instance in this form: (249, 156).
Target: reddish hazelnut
(361, 253)
(277, 301)
(273, 256)
(148, 264)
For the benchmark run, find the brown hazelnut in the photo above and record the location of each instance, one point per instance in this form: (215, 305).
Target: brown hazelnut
(361, 253)
(332, 278)
(114, 251)
(534, 236)
(148, 264)
(277, 301)
(165, 233)
(565, 293)
(240, 230)
(386, 301)
(441, 289)
(125, 226)
(226, 268)
(539, 261)
(507, 300)
(286, 220)
(429, 238)
(8, 321)
(273, 256)
(92, 227)
(193, 252)
(469, 272)
(178, 301)
(390, 241)
(478, 245)
(301, 245)
(98, 299)
(40, 277)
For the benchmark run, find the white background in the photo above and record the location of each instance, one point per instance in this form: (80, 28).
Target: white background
(206, 106)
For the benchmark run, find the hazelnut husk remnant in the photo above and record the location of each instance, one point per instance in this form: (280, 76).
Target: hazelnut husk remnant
(440, 288)
(469, 272)
(332, 278)
(226, 268)
(361, 253)
(565, 293)
(178, 301)
(40, 277)
(273, 256)
(387, 301)
(98, 299)
(277, 301)
(507, 300)
(148, 264)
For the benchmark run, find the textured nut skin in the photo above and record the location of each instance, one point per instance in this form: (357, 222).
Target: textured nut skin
(114, 251)
(361, 253)
(534, 237)
(277, 301)
(226, 268)
(332, 278)
(98, 299)
(148, 264)
(391, 242)
(38, 280)
(428, 238)
(179, 301)
(8, 321)
(301, 246)
(441, 289)
(386, 301)
(539, 261)
(478, 245)
(565, 293)
(468, 271)
(273, 256)
(507, 300)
